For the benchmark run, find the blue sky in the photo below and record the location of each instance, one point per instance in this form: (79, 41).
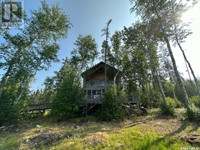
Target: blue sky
(90, 16)
(87, 17)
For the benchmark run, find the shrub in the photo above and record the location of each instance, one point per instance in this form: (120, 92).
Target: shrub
(150, 99)
(10, 113)
(193, 113)
(68, 98)
(178, 103)
(112, 105)
(168, 108)
(175, 102)
(195, 101)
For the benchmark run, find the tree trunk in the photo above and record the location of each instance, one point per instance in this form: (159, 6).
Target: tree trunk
(195, 79)
(188, 73)
(115, 78)
(107, 34)
(174, 94)
(4, 79)
(17, 99)
(172, 84)
(186, 99)
(158, 78)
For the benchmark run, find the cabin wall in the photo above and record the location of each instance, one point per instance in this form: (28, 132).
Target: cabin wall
(97, 75)
(94, 84)
(98, 80)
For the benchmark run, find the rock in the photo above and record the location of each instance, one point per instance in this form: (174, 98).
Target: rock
(11, 128)
(68, 135)
(44, 139)
(38, 126)
(3, 128)
(191, 138)
(27, 140)
(158, 123)
(76, 127)
(29, 125)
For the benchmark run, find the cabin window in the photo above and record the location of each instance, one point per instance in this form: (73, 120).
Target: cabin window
(89, 94)
(93, 92)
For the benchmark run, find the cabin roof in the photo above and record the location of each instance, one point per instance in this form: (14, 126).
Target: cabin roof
(97, 67)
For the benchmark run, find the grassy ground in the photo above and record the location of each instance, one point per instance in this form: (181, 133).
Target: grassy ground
(153, 132)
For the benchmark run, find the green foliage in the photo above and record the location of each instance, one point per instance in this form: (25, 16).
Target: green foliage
(26, 52)
(36, 47)
(85, 51)
(194, 100)
(10, 141)
(69, 95)
(193, 113)
(9, 112)
(168, 109)
(174, 102)
(112, 105)
(150, 99)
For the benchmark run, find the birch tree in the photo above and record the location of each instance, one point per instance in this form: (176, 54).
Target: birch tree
(34, 47)
(162, 15)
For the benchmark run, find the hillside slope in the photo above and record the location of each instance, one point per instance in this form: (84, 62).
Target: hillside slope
(145, 132)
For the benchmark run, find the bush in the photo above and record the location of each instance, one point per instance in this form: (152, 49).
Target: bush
(195, 101)
(150, 99)
(193, 113)
(10, 113)
(112, 106)
(168, 108)
(68, 98)
(174, 102)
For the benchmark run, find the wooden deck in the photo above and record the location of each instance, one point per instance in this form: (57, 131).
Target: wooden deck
(39, 108)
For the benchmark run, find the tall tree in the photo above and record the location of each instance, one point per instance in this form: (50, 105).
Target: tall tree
(146, 44)
(162, 15)
(180, 34)
(105, 44)
(35, 46)
(85, 52)
(116, 55)
(68, 97)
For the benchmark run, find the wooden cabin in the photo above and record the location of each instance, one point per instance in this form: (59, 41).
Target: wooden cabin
(94, 81)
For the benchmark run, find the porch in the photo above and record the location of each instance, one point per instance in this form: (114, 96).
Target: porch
(93, 94)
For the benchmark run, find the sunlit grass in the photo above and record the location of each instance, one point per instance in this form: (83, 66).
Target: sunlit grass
(9, 141)
(130, 139)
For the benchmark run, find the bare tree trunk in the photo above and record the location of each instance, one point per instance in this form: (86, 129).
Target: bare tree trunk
(107, 34)
(195, 79)
(158, 78)
(186, 99)
(172, 84)
(174, 93)
(4, 79)
(26, 84)
(17, 99)
(115, 77)
(188, 72)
